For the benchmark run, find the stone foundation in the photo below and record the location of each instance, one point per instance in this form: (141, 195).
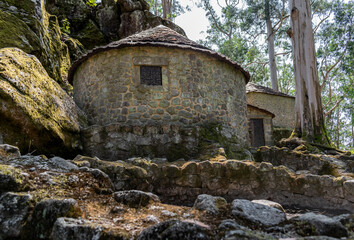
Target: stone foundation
(119, 142)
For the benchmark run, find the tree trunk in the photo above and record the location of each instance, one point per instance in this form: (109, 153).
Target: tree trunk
(308, 104)
(271, 54)
(337, 129)
(166, 9)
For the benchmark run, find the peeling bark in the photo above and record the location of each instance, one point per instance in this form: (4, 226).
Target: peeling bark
(308, 104)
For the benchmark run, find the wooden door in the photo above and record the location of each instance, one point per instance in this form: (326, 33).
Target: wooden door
(256, 130)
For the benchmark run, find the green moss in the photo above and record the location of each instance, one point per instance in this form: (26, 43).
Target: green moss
(37, 104)
(90, 36)
(112, 233)
(15, 33)
(13, 172)
(305, 229)
(26, 6)
(15, 180)
(280, 133)
(74, 212)
(37, 35)
(177, 151)
(211, 133)
(329, 169)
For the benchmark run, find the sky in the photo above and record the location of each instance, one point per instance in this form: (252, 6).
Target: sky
(193, 22)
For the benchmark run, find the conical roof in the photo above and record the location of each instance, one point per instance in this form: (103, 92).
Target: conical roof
(158, 36)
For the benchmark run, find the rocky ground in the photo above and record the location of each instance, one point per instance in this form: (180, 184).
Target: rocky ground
(87, 198)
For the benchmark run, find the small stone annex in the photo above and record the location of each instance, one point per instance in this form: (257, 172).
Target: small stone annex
(271, 114)
(159, 94)
(260, 126)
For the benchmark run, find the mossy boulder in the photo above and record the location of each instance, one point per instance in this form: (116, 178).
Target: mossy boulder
(90, 35)
(36, 113)
(76, 11)
(87, 24)
(138, 20)
(135, 198)
(8, 152)
(14, 210)
(175, 229)
(69, 228)
(76, 49)
(27, 25)
(211, 204)
(108, 19)
(12, 179)
(16, 33)
(311, 224)
(46, 213)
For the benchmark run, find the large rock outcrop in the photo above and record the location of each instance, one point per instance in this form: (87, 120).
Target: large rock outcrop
(27, 25)
(35, 112)
(139, 20)
(109, 21)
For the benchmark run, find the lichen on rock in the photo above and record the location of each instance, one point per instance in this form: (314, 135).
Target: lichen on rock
(12, 179)
(27, 25)
(38, 114)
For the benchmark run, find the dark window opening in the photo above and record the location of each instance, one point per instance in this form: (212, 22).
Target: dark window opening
(150, 75)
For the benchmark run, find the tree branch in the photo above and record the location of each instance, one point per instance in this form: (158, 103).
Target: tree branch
(319, 24)
(282, 18)
(283, 53)
(214, 18)
(334, 107)
(263, 63)
(336, 63)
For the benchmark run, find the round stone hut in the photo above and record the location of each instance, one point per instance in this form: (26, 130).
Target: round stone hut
(159, 94)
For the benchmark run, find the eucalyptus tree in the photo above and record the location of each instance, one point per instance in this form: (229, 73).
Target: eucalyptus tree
(309, 122)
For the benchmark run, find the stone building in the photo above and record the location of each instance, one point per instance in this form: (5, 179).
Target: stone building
(260, 126)
(158, 93)
(275, 109)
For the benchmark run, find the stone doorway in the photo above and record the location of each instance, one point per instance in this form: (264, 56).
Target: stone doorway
(256, 132)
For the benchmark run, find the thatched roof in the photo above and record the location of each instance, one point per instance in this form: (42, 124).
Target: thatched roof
(158, 36)
(260, 110)
(251, 87)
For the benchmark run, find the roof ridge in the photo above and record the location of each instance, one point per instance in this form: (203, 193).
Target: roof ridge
(252, 87)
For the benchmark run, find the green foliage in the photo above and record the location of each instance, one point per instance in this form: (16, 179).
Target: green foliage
(65, 26)
(91, 3)
(335, 55)
(156, 7)
(238, 31)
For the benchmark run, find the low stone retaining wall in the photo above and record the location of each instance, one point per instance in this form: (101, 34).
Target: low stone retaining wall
(231, 179)
(298, 161)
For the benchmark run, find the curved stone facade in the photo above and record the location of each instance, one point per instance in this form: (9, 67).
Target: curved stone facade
(196, 89)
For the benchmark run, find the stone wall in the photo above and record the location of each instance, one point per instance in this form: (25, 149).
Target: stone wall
(253, 113)
(181, 183)
(282, 107)
(196, 90)
(120, 142)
